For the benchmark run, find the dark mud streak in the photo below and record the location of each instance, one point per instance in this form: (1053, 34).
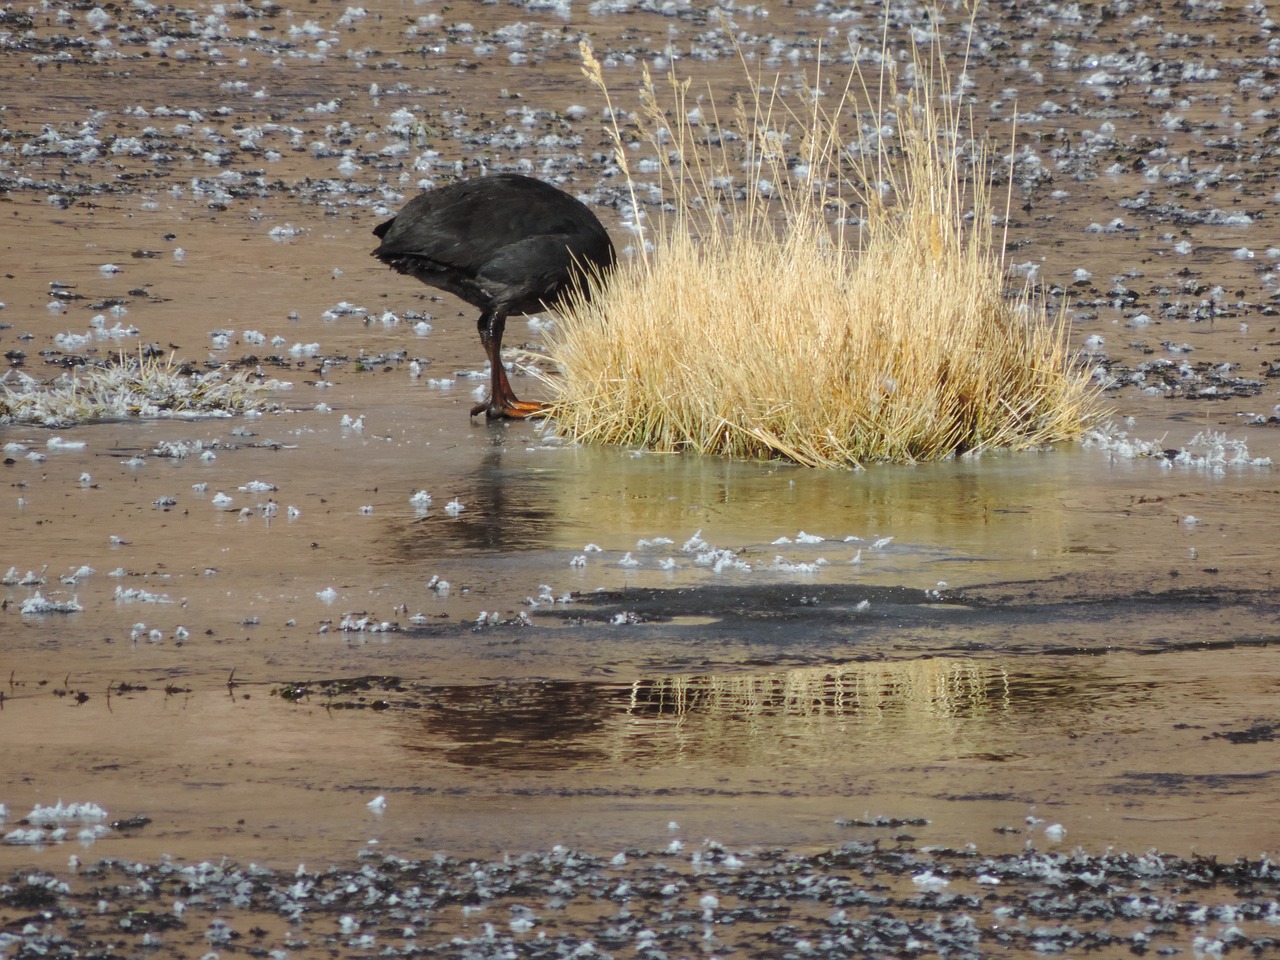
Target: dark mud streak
(1264, 731)
(954, 621)
(1173, 784)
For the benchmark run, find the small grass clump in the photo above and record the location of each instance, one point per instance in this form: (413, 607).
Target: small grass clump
(808, 293)
(128, 387)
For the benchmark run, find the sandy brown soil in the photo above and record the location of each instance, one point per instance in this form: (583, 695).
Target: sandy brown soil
(1083, 637)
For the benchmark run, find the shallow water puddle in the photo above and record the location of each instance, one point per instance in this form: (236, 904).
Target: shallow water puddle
(599, 642)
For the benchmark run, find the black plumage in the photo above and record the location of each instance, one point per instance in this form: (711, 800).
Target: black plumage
(506, 244)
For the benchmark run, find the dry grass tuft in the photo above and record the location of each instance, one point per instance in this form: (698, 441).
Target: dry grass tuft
(806, 294)
(130, 387)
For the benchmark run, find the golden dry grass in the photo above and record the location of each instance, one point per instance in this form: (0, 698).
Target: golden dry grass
(804, 299)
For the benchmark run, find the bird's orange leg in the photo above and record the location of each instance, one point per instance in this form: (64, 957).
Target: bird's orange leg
(501, 402)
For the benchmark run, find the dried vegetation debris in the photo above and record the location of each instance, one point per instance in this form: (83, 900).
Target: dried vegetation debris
(860, 898)
(1209, 451)
(129, 387)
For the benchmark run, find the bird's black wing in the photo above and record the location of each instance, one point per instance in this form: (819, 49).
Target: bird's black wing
(465, 225)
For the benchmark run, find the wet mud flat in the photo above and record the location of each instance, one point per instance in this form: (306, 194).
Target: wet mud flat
(251, 642)
(864, 898)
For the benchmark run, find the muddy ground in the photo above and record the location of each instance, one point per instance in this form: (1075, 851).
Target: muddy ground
(953, 675)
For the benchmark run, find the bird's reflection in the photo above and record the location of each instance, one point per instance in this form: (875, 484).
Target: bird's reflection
(517, 726)
(505, 510)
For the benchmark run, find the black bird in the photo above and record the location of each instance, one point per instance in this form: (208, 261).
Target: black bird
(506, 244)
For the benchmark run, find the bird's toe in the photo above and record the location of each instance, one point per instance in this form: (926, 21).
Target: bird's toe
(525, 409)
(511, 410)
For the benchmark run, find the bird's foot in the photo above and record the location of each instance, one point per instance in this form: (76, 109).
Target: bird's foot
(510, 410)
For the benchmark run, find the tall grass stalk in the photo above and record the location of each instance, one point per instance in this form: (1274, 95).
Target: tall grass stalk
(805, 294)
